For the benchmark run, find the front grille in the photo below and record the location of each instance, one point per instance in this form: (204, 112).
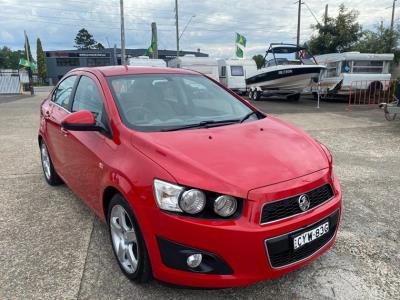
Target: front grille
(290, 207)
(280, 249)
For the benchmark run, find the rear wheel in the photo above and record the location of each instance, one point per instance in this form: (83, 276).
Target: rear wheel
(50, 174)
(127, 241)
(256, 95)
(294, 97)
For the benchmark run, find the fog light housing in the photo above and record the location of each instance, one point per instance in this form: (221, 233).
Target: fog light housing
(194, 260)
(225, 206)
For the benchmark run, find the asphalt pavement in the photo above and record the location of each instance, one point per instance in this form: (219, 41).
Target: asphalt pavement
(53, 247)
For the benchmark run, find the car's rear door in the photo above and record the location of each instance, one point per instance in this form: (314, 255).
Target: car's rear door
(55, 112)
(86, 148)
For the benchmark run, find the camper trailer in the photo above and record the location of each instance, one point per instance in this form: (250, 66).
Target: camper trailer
(205, 65)
(233, 73)
(353, 70)
(145, 61)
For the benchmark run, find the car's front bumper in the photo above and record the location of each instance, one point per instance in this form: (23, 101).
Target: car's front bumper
(241, 243)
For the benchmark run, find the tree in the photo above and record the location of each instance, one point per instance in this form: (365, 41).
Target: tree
(260, 60)
(28, 47)
(9, 59)
(380, 41)
(99, 46)
(84, 40)
(336, 34)
(41, 63)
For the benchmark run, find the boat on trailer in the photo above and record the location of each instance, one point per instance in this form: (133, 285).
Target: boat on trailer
(283, 76)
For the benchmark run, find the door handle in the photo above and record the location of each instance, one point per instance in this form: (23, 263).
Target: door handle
(64, 131)
(47, 114)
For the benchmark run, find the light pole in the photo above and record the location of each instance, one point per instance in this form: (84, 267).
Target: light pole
(177, 28)
(122, 33)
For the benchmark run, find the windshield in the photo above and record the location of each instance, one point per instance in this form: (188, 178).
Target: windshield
(160, 102)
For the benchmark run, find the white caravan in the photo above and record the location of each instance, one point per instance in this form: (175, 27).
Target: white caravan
(233, 73)
(205, 65)
(145, 61)
(354, 70)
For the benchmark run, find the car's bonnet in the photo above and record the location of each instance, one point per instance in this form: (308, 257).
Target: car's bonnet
(236, 158)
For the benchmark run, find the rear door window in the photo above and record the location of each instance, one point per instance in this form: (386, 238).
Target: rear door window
(63, 92)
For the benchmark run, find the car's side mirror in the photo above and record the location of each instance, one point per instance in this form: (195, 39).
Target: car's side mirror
(80, 121)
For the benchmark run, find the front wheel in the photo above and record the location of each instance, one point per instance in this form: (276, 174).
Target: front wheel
(127, 241)
(251, 94)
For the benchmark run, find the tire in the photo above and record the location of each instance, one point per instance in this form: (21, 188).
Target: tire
(132, 258)
(295, 97)
(49, 172)
(256, 95)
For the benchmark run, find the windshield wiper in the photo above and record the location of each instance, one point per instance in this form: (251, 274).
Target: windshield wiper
(248, 116)
(204, 124)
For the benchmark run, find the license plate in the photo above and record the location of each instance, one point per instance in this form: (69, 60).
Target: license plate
(311, 235)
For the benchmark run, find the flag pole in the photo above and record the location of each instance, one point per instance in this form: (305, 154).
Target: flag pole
(29, 64)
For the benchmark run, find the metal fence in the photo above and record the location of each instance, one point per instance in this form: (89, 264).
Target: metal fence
(10, 82)
(371, 93)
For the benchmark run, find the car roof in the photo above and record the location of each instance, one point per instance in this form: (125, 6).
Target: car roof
(131, 70)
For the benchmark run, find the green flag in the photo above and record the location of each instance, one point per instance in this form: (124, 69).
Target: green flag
(240, 45)
(26, 63)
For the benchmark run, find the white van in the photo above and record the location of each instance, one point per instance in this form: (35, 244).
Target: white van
(205, 65)
(354, 70)
(233, 73)
(145, 61)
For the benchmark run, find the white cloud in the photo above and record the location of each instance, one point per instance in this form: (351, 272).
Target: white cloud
(56, 22)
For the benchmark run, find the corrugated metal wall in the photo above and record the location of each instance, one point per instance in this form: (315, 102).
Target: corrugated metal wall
(9, 82)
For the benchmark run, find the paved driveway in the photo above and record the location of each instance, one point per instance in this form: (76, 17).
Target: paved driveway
(52, 246)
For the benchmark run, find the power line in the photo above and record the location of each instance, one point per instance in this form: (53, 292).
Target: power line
(312, 13)
(232, 23)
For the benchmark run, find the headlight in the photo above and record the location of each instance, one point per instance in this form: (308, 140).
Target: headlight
(192, 201)
(195, 202)
(225, 206)
(167, 195)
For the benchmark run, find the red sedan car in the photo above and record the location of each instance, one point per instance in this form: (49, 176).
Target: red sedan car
(197, 186)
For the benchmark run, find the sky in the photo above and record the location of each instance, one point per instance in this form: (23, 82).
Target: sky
(212, 29)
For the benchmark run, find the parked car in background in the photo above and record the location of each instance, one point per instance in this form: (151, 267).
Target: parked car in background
(197, 187)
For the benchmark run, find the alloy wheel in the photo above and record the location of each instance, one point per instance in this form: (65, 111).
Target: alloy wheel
(124, 239)
(45, 161)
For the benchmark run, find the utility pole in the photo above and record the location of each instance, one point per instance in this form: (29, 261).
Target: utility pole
(123, 62)
(298, 24)
(177, 27)
(392, 25)
(154, 40)
(393, 10)
(326, 15)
